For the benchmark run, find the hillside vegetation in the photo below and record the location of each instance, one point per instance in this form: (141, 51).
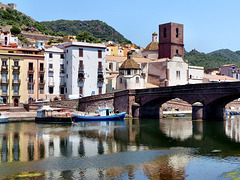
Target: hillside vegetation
(214, 59)
(95, 29)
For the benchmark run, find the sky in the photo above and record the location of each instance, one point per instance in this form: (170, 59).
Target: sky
(209, 25)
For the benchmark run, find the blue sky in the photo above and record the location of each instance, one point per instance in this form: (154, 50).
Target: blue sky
(209, 25)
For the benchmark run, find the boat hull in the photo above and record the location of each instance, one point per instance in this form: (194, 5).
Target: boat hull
(54, 120)
(4, 119)
(114, 117)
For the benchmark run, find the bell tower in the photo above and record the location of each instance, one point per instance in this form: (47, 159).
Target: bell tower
(170, 40)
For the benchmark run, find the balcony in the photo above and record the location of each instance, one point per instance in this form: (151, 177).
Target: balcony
(15, 68)
(31, 81)
(100, 80)
(51, 84)
(16, 93)
(81, 79)
(4, 67)
(4, 81)
(42, 82)
(16, 82)
(4, 93)
(31, 70)
(50, 70)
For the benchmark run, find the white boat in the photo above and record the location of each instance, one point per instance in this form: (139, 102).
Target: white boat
(3, 118)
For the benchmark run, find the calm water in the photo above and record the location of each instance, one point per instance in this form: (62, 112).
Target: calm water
(132, 149)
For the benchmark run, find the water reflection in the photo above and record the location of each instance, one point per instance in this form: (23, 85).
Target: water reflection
(97, 150)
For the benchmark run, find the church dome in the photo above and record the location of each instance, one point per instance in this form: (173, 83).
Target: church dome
(129, 64)
(153, 46)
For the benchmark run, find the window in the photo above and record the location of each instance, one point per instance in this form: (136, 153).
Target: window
(62, 90)
(16, 89)
(99, 65)
(176, 32)
(62, 68)
(41, 87)
(15, 63)
(30, 78)
(50, 90)
(81, 64)
(100, 90)
(41, 67)
(41, 78)
(30, 66)
(164, 32)
(110, 66)
(50, 66)
(30, 89)
(50, 55)
(62, 56)
(80, 52)
(81, 90)
(177, 51)
(178, 74)
(99, 54)
(137, 79)
(128, 72)
(4, 89)
(4, 77)
(120, 81)
(4, 63)
(15, 77)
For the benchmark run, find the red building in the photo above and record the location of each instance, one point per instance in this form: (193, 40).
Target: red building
(170, 40)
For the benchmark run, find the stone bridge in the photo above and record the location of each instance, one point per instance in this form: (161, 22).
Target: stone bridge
(208, 100)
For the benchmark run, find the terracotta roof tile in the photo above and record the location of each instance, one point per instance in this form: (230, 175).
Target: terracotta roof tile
(153, 46)
(129, 64)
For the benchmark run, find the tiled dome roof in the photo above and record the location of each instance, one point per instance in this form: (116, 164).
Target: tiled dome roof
(153, 46)
(129, 64)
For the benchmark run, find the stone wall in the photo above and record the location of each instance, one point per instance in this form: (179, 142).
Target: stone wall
(40, 37)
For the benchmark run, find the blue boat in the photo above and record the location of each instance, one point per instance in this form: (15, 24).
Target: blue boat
(105, 114)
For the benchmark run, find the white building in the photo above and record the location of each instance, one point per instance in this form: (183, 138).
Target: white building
(55, 73)
(130, 76)
(6, 37)
(195, 75)
(230, 70)
(85, 68)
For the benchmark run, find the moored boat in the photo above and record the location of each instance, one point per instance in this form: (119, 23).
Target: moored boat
(179, 115)
(105, 114)
(3, 119)
(44, 117)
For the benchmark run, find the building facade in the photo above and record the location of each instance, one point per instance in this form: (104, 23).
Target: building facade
(85, 68)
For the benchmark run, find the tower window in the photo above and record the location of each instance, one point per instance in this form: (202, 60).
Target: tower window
(165, 32)
(176, 32)
(177, 51)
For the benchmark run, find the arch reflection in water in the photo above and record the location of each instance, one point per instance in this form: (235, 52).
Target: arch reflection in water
(232, 128)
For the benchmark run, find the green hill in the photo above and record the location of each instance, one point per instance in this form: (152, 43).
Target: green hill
(95, 29)
(214, 59)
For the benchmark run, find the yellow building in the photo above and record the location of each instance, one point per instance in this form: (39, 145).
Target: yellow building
(22, 75)
(69, 38)
(114, 49)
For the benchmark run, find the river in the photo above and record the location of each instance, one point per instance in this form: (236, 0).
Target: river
(170, 148)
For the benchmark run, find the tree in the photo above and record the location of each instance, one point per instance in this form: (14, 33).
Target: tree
(15, 30)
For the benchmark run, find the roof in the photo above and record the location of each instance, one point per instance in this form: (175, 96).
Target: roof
(129, 64)
(122, 59)
(226, 65)
(112, 76)
(219, 77)
(154, 33)
(153, 46)
(149, 85)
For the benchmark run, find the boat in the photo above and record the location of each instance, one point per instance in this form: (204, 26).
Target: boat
(179, 115)
(105, 114)
(44, 117)
(3, 118)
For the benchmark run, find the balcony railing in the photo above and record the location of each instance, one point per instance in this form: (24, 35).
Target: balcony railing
(62, 70)
(81, 79)
(16, 68)
(31, 70)
(4, 67)
(51, 83)
(4, 81)
(62, 83)
(100, 80)
(16, 81)
(81, 68)
(50, 70)
(16, 93)
(4, 93)
(100, 69)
